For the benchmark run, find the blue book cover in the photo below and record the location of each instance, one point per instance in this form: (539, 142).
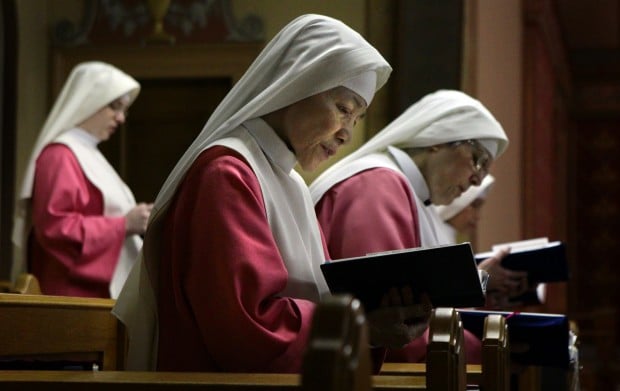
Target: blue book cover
(545, 262)
(538, 339)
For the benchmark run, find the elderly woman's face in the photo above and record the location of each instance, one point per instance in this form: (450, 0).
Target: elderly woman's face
(451, 169)
(316, 127)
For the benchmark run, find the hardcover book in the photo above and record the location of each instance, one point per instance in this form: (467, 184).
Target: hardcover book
(543, 260)
(535, 338)
(448, 274)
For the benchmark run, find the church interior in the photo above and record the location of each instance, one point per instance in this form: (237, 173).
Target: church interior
(548, 69)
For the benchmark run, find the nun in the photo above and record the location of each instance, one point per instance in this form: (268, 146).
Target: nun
(381, 196)
(229, 276)
(77, 225)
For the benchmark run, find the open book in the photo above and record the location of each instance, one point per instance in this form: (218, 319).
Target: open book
(448, 274)
(543, 260)
(535, 338)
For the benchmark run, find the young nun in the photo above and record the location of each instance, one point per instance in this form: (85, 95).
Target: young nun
(76, 222)
(379, 197)
(229, 275)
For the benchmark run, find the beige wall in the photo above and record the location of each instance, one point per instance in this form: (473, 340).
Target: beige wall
(498, 85)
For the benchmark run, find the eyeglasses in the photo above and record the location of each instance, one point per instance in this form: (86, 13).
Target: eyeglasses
(481, 159)
(118, 107)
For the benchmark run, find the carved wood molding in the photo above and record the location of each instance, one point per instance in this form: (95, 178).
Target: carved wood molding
(187, 61)
(134, 22)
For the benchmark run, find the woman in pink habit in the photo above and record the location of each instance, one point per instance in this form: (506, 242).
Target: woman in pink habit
(77, 223)
(229, 276)
(380, 197)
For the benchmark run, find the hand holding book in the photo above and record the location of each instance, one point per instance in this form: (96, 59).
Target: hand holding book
(544, 261)
(502, 280)
(399, 319)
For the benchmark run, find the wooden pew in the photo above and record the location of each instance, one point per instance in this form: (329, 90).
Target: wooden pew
(337, 357)
(39, 331)
(493, 374)
(177, 381)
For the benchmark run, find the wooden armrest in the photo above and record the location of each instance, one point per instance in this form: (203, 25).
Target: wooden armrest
(26, 283)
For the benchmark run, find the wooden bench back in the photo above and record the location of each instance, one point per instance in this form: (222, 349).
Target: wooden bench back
(492, 375)
(338, 355)
(495, 354)
(39, 330)
(445, 358)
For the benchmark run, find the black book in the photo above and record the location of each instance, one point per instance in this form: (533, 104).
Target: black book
(535, 338)
(448, 274)
(544, 261)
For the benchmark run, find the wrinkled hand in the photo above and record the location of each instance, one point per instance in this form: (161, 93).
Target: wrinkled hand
(136, 219)
(399, 319)
(506, 282)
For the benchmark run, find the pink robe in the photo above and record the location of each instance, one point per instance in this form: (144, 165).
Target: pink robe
(73, 249)
(373, 211)
(219, 302)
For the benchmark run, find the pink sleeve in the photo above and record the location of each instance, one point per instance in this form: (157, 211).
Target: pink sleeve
(232, 273)
(67, 216)
(369, 212)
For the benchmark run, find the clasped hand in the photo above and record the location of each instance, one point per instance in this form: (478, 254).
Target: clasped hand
(137, 218)
(399, 319)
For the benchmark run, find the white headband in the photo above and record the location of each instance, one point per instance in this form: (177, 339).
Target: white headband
(364, 85)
